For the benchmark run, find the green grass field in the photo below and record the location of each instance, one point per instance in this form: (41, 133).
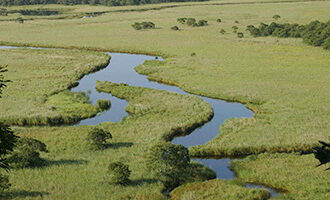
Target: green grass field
(285, 82)
(37, 77)
(74, 172)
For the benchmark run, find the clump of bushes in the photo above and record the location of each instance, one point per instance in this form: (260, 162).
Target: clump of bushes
(315, 33)
(103, 104)
(119, 173)
(143, 25)
(192, 22)
(175, 28)
(27, 153)
(97, 139)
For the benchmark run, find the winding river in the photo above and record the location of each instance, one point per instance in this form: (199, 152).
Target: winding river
(121, 70)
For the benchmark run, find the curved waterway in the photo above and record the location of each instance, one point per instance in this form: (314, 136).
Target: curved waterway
(121, 70)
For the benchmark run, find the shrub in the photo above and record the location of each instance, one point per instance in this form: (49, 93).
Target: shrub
(27, 153)
(219, 20)
(191, 22)
(143, 25)
(234, 29)
(103, 104)
(223, 31)
(175, 28)
(97, 138)
(236, 22)
(240, 35)
(193, 54)
(276, 17)
(119, 173)
(137, 26)
(4, 182)
(202, 23)
(20, 20)
(170, 162)
(182, 20)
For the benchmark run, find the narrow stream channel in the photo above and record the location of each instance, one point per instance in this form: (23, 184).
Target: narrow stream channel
(121, 70)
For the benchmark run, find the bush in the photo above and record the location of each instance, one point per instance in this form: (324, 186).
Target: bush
(191, 22)
(219, 20)
(202, 23)
(234, 29)
(20, 20)
(223, 31)
(143, 25)
(97, 138)
(103, 104)
(236, 22)
(276, 17)
(119, 173)
(240, 35)
(4, 182)
(27, 153)
(170, 162)
(182, 20)
(175, 28)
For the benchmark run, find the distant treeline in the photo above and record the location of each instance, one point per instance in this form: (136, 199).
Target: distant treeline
(315, 33)
(91, 2)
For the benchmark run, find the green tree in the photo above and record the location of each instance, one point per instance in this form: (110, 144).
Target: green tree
(27, 153)
(97, 138)
(119, 173)
(276, 17)
(170, 162)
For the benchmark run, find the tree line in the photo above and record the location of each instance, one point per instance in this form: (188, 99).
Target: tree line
(91, 2)
(315, 33)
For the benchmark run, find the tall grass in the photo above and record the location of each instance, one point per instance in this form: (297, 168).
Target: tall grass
(75, 172)
(296, 174)
(37, 77)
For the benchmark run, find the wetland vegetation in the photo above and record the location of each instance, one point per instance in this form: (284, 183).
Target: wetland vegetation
(282, 79)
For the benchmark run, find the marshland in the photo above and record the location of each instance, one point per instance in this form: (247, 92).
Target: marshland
(256, 103)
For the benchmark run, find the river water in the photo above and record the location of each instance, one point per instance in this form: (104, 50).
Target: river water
(121, 70)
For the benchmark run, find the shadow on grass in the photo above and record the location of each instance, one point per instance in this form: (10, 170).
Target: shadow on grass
(65, 162)
(22, 194)
(142, 181)
(119, 145)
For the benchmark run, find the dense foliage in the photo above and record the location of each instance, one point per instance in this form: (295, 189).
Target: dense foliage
(27, 153)
(119, 173)
(170, 162)
(315, 33)
(143, 25)
(192, 22)
(91, 2)
(103, 104)
(97, 138)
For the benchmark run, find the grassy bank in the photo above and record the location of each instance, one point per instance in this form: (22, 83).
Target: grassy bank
(217, 189)
(298, 175)
(74, 172)
(36, 93)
